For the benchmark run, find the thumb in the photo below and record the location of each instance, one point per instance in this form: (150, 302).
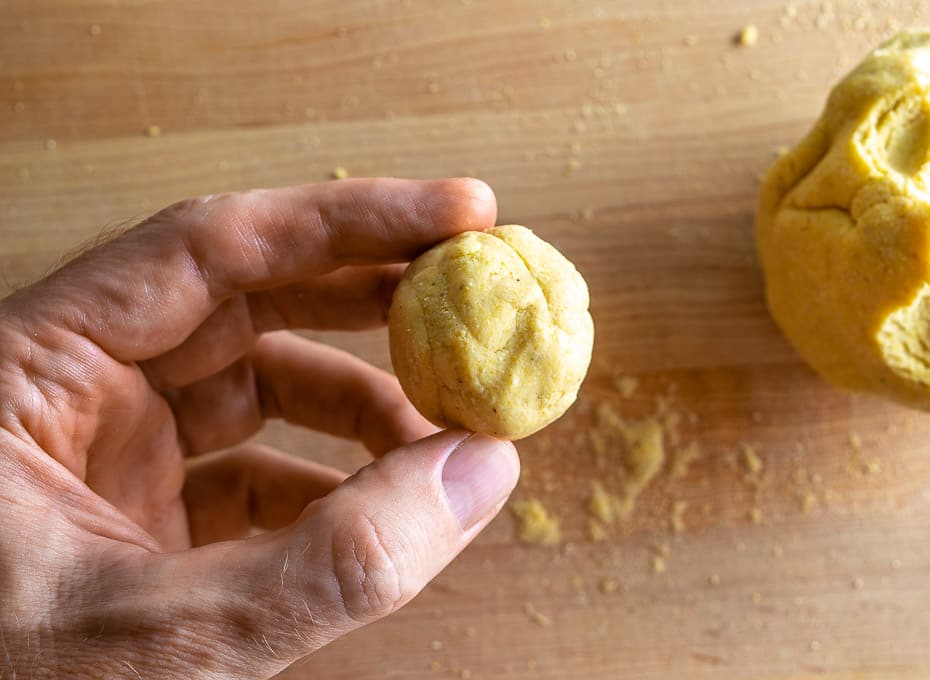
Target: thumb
(361, 552)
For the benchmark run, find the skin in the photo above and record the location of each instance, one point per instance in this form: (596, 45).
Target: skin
(123, 550)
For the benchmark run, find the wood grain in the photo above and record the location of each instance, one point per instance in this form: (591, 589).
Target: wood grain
(631, 135)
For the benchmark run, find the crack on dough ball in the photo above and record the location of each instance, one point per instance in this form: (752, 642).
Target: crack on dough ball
(842, 229)
(490, 331)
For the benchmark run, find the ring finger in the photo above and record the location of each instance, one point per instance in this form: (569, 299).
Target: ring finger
(304, 383)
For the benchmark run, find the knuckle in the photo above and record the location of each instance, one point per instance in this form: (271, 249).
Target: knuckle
(181, 211)
(367, 570)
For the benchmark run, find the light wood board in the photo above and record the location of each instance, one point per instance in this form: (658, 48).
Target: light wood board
(632, 135)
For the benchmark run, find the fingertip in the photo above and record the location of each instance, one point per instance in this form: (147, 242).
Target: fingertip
(477, 476)
(466, 203)
(481, 198)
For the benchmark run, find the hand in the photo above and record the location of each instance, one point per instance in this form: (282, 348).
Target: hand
(119, 558)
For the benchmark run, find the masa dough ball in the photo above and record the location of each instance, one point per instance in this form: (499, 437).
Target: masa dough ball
(842, 229)
(490, 332)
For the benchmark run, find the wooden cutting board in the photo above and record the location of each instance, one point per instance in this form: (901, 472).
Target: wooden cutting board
(632, 135)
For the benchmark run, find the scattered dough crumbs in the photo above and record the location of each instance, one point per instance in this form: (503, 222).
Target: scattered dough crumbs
(535, 524)
(644, 457)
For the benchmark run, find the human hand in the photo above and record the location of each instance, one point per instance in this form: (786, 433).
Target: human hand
(117, 559)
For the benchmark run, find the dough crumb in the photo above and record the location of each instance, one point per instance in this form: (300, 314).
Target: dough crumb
(855, 440)
(808, 502)
(682, 459)
(596, 531)
(153, 131)
(94, 30)
(535, 525)
(609, 585)
(658, 564)
(642, 459)
(749, 36)
(626, 385)
(677, 519)
(339, 172)
(535, 615)
(601, 504)
(755, 516)
(751, 460)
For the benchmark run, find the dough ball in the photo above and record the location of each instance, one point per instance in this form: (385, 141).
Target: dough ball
(842, 229)
(490, 332)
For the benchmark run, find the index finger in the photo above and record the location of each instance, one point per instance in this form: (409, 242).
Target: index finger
(146, 291)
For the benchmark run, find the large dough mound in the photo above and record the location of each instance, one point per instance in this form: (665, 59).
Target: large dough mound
(842, 229)
(490, 332)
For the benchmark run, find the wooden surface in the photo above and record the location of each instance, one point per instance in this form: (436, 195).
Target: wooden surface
(632, 135)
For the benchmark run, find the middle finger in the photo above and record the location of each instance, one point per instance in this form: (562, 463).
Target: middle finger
(351, 298)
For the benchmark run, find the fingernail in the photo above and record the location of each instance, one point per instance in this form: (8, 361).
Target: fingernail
(477, 476)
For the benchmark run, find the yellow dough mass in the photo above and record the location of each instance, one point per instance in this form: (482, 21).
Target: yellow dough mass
(842, 229)
(490, 332)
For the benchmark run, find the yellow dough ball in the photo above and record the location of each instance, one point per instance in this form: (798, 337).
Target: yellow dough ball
(490, 332)
(842, 229)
